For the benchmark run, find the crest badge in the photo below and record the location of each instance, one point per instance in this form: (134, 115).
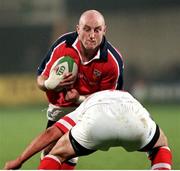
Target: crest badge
(96, 74)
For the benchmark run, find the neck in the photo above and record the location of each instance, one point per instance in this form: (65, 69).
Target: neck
(87, 54)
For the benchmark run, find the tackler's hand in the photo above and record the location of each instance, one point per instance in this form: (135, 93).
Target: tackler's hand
(72, 95)
(13, 164)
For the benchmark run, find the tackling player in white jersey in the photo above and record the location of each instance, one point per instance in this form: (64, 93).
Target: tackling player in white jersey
(105, 119)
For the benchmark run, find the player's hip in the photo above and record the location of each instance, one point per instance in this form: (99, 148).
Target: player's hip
(103, 127)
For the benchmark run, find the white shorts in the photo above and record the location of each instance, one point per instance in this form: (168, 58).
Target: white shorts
(112, 118)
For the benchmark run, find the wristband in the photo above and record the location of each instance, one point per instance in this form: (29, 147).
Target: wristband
(46, 84)
(81, 99)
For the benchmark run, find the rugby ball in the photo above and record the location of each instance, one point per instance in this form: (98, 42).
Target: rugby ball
(64, 65)
(61, 66)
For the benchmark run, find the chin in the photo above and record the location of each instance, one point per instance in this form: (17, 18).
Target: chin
(91, 47)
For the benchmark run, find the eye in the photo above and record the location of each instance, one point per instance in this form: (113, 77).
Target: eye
(97, 30)
(87, 29)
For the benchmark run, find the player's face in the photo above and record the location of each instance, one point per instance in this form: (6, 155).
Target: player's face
(91, 32)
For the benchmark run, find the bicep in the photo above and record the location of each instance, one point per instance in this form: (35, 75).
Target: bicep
(54, 132)
(109, 80)
(112, 79)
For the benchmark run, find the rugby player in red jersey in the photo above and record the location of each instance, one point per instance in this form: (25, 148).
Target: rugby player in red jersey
(100, 67)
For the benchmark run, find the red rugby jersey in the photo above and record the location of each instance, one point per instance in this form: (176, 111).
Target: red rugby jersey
(104, 71)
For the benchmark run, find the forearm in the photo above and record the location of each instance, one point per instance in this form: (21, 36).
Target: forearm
(40, 143)
(40, 82)
(55, 82)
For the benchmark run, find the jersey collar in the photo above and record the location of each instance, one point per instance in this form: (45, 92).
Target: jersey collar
(101, 54)
(76, 45)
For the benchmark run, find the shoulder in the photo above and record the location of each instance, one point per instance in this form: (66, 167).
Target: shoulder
(109, 53)
(67, 38)
(61, 47)
(114, 53)
(64, 42)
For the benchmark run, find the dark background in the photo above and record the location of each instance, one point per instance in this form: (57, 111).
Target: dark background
(145, 31)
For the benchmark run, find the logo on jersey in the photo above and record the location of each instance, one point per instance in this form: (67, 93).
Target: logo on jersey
(96, 74)
(92, 79)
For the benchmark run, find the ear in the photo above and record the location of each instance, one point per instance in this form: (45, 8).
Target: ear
(77, 28)
(105, 28)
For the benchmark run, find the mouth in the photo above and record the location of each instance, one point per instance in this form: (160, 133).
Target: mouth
(91, 42)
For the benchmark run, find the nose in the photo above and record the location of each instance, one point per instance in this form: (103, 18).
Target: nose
(92, 34)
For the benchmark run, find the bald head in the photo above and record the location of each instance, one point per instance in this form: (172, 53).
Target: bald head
(92, 15)
(91, 29)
